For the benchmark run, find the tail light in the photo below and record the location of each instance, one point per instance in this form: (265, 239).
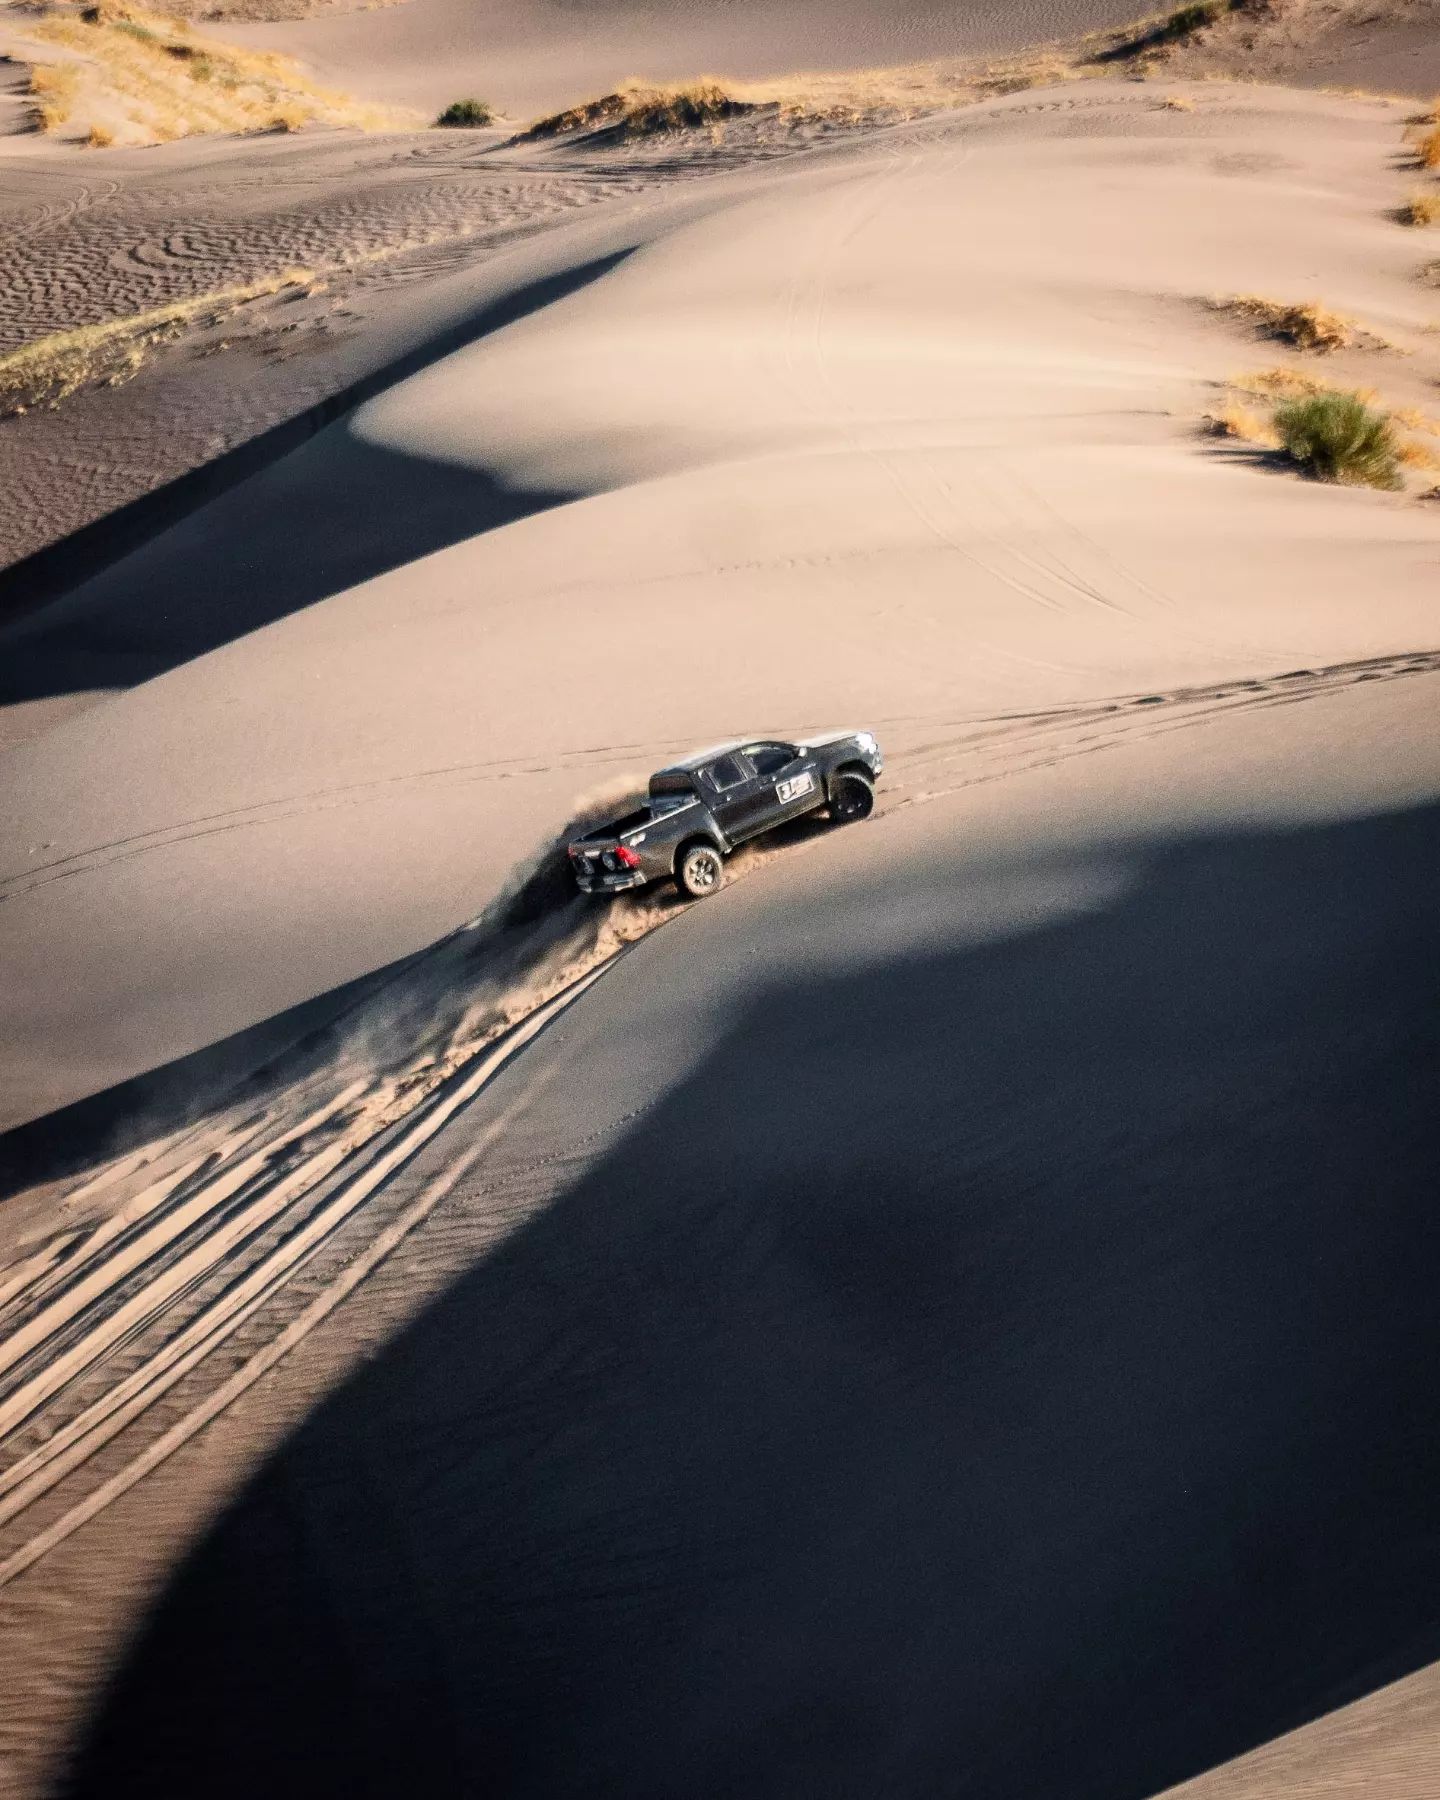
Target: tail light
(626, 857)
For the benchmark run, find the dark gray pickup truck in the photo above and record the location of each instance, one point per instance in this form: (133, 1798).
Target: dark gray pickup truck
(699, 809)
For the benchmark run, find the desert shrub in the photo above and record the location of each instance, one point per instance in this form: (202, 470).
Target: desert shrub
(1305, 324)
(466, 112)
(680, 109)
(1420, 209)
(1427, 149)
(99, 137)
(636, 110)
(1336, 437)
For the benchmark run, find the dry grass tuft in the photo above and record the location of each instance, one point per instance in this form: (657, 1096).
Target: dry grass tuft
(637, 109)
(1305, 324)
(1420, 209)
(99, 137)
(1287, 384)
(53, 90)
(1413, 419)
(1177, 103)
(1234, 420)
(1427, 149)
(50, 370)
(1415, 455)
(144, 79)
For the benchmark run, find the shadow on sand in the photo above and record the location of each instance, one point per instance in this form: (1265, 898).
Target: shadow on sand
(253, 536)
(1006, 1370)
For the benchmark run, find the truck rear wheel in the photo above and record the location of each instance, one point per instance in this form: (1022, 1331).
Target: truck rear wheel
(699, 871)
(851, 797)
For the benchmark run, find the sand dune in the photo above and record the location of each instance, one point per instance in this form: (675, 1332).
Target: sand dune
(531, 59)
(1032, 1310)
(904, 430)
(946, 466)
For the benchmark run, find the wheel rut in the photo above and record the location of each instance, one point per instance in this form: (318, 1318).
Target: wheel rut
(185, 1270)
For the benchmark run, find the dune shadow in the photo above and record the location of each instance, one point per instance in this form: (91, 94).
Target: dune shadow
(76, 1138)
(256, 534)
(1002, 1369)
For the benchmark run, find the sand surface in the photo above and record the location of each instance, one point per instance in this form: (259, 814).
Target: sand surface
(534, 58)
(943, 466)
(1021, 1298)
(1019, 1387)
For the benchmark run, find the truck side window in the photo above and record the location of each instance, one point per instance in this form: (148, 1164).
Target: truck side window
(726, 772)
(768, 758)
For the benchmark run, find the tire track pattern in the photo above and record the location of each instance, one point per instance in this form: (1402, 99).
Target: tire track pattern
(215, 1250)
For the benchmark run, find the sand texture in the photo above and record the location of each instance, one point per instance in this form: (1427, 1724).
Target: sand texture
(952, 1313)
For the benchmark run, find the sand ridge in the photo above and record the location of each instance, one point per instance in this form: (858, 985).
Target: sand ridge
(664, 442)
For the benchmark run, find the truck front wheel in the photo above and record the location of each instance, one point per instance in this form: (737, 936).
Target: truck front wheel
(699, 871)
(851, 797)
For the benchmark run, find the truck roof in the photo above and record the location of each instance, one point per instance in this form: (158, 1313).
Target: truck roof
(697, 759)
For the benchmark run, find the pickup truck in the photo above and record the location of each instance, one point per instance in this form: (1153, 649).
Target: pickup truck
(700, 808)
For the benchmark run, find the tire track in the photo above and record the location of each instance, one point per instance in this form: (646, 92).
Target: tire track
(200, 1254)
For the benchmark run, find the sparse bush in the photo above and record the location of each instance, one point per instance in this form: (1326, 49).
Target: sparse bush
(467, 112)
(99, 137)
(1336, 437)
(639, 111)
(1177, 103)
(1305, 324)
(1427, 149)
(1420, 209)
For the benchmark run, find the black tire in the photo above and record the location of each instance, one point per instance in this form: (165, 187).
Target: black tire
(852, 797)
(699, 870)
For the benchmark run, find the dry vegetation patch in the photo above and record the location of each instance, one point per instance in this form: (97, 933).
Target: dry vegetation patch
(1233, 419)
(113, 73)
(640, 109)
(1146, 38)
(1334, 433)
(1421, 208)
(53, 368)
(1306, 324)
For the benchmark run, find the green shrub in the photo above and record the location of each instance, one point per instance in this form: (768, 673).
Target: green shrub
(466, 112)
(1336, 437)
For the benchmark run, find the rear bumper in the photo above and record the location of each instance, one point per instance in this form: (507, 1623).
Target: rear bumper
(612, 884)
